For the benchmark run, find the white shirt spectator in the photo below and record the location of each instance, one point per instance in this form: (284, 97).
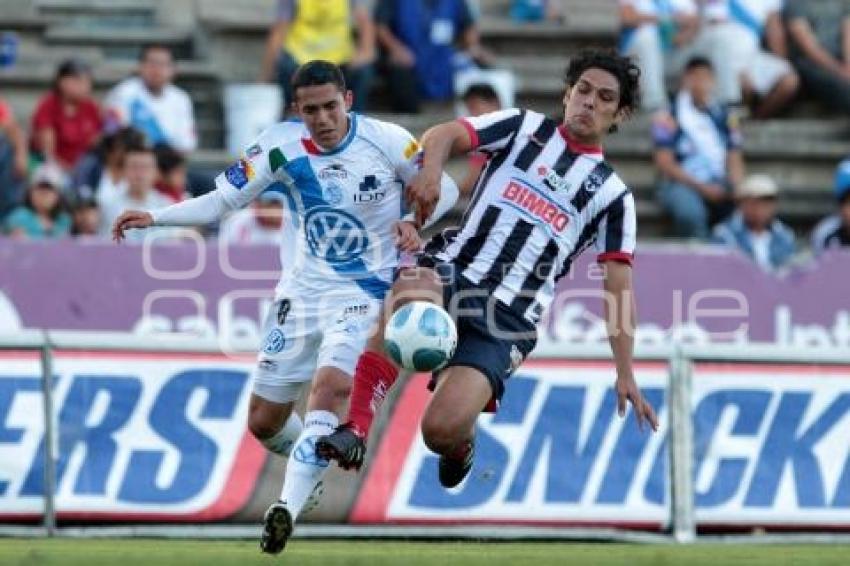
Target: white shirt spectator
(242, 227)
(167, 118)
(113, 207)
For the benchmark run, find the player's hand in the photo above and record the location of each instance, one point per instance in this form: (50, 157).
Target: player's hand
(627, 390)
(407, 236)
(130, 219)
(423, 194)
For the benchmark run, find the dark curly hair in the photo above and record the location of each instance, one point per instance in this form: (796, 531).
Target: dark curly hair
(623, 68)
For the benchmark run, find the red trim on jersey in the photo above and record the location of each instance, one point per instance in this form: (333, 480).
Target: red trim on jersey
(311, 146)
(623, 257)
(577, 146)
(470, 129)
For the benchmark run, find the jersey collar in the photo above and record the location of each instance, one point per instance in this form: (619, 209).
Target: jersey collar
(577, 146)
(314, 149)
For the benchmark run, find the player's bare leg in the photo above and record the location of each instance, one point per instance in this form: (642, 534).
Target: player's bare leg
(328, 396)
(376, 373)
(448, 425)
(275, 425)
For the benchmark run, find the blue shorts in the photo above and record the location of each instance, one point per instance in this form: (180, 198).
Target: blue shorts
(491, 337)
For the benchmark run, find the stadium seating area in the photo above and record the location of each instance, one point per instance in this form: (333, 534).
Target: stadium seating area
(221, 42)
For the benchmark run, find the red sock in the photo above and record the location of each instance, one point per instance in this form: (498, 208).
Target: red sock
(373, 377)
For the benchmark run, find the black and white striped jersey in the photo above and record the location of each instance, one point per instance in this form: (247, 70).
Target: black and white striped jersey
(540, 201)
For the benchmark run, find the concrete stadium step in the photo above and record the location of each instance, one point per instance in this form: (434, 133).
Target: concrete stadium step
(122, 43)
(100, 13)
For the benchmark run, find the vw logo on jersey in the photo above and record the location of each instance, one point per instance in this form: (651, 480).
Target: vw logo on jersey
(334, 235)
(333, 194)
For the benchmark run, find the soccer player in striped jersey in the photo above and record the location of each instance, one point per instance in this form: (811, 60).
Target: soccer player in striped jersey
(545, 195)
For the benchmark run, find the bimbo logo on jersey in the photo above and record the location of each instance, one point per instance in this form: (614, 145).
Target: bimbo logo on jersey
(150, 439)
(536, 205)
(770, 448)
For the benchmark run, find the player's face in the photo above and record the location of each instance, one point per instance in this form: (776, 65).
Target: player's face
(75, 87)
(324, 110)
(591, 106)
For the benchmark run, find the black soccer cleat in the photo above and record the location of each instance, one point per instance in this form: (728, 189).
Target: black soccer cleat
(345, 445)
(277, 528)
(453, 471)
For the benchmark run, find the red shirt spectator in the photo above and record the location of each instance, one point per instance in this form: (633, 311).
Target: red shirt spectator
(67, 120)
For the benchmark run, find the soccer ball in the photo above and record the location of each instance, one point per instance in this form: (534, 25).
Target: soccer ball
(420, 336)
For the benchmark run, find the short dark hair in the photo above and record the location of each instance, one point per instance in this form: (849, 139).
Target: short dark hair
(318, 73)
(148, 47)
(484, 91)
(698, 62)
(623, 68)
(167, 158)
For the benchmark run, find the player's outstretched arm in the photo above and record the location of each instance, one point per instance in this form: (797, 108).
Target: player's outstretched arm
(621, 315)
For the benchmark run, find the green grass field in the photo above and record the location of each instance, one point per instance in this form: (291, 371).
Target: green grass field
(133, 552)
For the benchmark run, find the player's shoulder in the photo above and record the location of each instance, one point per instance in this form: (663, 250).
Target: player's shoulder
(381, 132)
(824, 229)
(282, 133)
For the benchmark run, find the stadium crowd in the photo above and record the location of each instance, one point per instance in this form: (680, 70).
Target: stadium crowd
(706, 64)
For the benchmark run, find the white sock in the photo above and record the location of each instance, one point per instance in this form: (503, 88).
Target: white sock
(282, 442)
(304, 468)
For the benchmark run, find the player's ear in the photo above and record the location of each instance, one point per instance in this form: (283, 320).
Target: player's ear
(567, 95)
(349, 99)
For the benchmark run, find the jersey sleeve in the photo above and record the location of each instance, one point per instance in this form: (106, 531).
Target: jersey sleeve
(260, 166)
(494, 131)
(617, 233)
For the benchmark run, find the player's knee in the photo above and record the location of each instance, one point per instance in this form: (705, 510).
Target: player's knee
(261, 426)
(416, 284)
(440, 435)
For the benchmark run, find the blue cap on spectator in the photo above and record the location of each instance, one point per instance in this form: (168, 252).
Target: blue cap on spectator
(842, 180)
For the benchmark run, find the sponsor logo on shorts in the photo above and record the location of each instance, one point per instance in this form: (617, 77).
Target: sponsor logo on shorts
(274, 342)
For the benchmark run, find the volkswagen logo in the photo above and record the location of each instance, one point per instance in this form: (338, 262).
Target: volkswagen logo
(334, 235)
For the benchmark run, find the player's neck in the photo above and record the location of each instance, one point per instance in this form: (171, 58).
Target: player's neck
(580, 144)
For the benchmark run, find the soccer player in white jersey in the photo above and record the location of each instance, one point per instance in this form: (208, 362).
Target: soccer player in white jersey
(544, 196)
(347, 180)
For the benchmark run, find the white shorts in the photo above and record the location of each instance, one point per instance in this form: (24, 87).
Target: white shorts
(301, 336)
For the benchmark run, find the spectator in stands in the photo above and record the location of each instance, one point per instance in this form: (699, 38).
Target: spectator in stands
(834, 230)
(536, 10)
(85, 216)
(172, 173)
(419, 38)
(100, 174)
(731, 37)
(820, 48)
(479, 98)
(258, 224)
(698, 154)
(754, 229)
(43, 213)
(651, 30)
(153, 105)
(13, 160)
(308, 30)
(140, 194)
(67, 121)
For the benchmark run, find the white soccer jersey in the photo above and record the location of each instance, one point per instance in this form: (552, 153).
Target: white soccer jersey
(347, 201)
(540, 201)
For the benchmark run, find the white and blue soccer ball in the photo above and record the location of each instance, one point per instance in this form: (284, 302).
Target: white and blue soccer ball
(420, 336)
